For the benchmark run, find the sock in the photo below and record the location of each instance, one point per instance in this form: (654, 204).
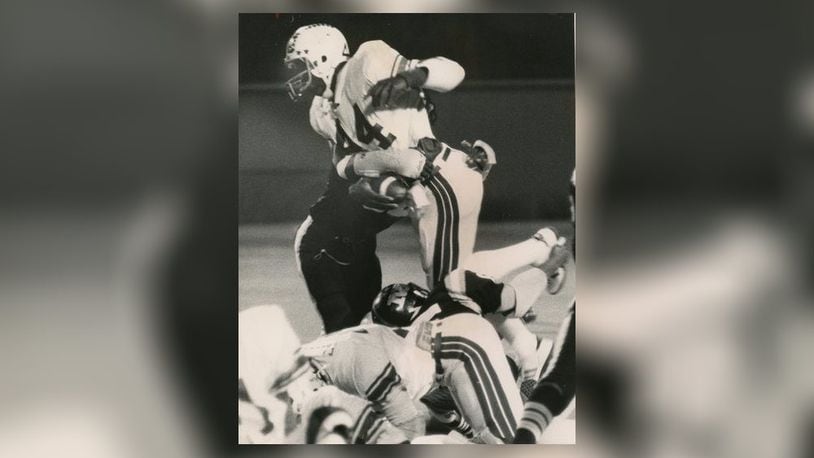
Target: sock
(536, 419)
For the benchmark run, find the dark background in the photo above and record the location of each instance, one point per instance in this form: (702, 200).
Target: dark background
(518, 96)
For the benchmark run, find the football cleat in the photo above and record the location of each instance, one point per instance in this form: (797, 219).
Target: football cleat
(556, 281)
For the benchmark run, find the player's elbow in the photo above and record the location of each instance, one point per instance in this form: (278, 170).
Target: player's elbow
(443, 75)
(456, 74)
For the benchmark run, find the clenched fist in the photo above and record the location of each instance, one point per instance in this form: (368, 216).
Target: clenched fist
(400, 91)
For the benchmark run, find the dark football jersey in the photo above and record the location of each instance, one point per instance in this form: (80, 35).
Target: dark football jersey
(484, 292)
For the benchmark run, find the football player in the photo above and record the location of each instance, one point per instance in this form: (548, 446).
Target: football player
(556, 389)
(376, 364)
(370, 101)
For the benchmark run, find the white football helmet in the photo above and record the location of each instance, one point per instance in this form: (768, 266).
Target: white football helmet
(311, 56)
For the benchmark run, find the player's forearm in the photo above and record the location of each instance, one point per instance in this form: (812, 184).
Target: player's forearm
(443, 74)
(407, 163)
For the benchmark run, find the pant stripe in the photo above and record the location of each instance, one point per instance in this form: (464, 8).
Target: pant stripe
(455, 220)
(440, 249)
(363, 423)
(483, 389)
(498, 388)
(382, 386)
(379, 379)
(493, 401)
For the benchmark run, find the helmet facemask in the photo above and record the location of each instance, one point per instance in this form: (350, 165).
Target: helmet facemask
(312, 55)
(302, 80)
(398, 304)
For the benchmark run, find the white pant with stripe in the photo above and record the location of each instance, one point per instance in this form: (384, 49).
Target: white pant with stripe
(478, 375)
(447, 226)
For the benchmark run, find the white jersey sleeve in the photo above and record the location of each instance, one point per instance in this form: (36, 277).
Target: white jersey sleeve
(380, 61)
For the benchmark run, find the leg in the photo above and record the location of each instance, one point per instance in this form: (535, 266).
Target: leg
(443, 409)
(507, 262)
(522, 341)
(365, 282)
(430, 225)
(467, 187)
(556, 388)
(425, 225)
(325, 281)
(479, 377)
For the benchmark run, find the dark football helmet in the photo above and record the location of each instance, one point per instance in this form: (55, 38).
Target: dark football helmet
(398, 304)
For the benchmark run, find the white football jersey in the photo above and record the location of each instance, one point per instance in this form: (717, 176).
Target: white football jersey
(381, 129)
(370, 348)
(322, 118)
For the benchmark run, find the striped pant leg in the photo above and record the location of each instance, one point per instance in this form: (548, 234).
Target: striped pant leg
(447, 229)
(480, 379)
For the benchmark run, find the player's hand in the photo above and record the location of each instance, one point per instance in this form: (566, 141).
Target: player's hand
(476, 159)
(394, 92)
(363, 193)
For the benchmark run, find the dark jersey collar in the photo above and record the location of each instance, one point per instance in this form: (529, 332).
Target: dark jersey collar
(336, 76)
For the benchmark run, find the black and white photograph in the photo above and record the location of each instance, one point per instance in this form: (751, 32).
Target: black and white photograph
(406, 229)
(369, 209)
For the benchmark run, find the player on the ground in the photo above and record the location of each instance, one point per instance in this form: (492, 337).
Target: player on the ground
(450, 345)
(556, 389)
(336, 244)
(468, 355)
(366, 361)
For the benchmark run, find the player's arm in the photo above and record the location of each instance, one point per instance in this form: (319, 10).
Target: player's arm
(396, 79)
(381, 385)
(409, 163)
(401, 412)
(438, 73)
